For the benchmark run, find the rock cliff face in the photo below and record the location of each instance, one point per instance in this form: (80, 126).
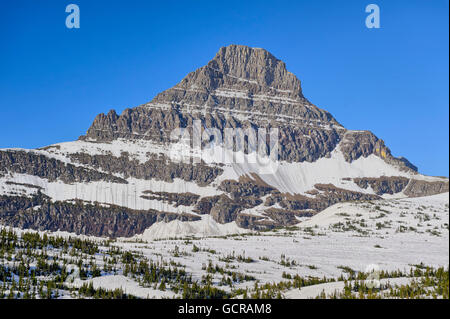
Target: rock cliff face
(383, 185)
(122, 175)
(40, 213)
(29, 163)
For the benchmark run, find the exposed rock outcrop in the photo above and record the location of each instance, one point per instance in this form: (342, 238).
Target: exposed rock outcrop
(417, 188)
(158, 167)
(39, 213)
(246, 186)
(364, 143)
(383, 185)
(177, 199)
(23, 162)
(225, 210)
(327, 196)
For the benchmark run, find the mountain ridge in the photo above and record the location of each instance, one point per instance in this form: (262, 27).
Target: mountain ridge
(124, 168)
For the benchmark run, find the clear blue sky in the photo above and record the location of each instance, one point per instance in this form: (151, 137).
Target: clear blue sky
(392, 81)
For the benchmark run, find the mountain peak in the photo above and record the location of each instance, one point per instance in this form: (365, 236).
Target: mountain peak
(245, 62)
(255, 65)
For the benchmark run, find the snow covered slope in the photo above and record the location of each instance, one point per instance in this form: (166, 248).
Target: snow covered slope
(389, 234)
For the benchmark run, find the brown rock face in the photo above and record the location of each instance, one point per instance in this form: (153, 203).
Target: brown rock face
(364, 143)
(326, 195)
(177, 199)
(257, 65)
(411, 187)
(49, 168)
(245, 187)
(158, 167)
(225, 210)
(42, 214)
(417, 188)
(383, 185)
(284, 217)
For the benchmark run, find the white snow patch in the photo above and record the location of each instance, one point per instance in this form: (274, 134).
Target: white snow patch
(128, 286)
(297, 178)
(206, 227)
(329, 288)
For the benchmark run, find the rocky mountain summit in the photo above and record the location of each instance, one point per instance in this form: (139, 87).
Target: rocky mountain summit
(120, 177)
